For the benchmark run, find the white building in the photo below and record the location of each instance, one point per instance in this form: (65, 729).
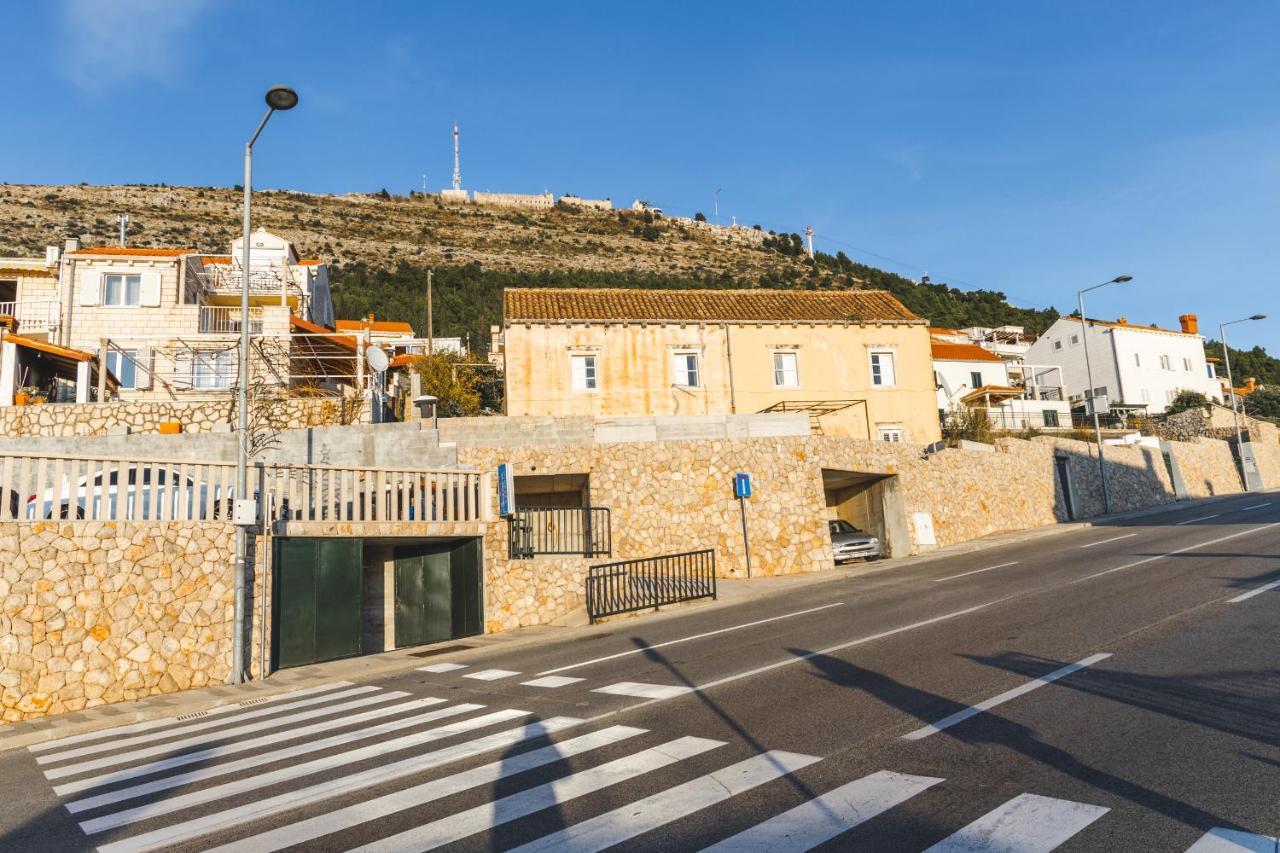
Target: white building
(1135, 368)
(970, 376)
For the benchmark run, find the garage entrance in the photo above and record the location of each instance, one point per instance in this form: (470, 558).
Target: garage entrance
(336, 598)
(871, 503)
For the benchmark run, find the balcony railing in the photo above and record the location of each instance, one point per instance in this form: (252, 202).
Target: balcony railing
(225, 279)
(217, 319)
(31, 316)
(559, 530)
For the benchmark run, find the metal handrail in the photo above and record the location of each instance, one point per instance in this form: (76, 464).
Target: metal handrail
(630, 585)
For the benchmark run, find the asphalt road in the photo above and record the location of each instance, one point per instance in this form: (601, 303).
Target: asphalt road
(1113, 689)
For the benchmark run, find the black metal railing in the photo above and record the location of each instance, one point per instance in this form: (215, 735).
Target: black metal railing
(586, 531)
(614, 588)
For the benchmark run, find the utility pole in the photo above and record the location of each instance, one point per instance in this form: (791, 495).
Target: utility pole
(123, 220)
(431, 346)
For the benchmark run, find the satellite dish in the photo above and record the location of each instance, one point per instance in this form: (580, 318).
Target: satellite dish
(377, 359)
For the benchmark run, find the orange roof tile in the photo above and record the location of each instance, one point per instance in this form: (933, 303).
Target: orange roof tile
(215, 259)
(375, 326)
(1140, 328)
(52, 349)
(310, 262)
(126, 251)
(961, 352)
(404, 360)
(621, 305)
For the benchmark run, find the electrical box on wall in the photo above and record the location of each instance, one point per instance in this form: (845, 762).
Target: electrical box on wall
(245, 512)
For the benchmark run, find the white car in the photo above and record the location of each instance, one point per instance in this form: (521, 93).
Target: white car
(850, 543)
(85, 498)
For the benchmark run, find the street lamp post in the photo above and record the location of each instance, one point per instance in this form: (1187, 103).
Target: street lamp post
(1231, 390)
(246, 510)
(1090, 400)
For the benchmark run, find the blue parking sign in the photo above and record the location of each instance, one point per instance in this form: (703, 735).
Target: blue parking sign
(742, 485)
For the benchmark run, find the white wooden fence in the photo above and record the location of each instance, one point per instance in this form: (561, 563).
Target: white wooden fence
(106, 488)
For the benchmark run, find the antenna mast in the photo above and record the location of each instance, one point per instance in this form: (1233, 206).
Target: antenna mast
(808, 232)
(457, 163)
(123, 220)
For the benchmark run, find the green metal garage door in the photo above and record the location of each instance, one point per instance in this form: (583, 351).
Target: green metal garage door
(317, 601)
(437, 591)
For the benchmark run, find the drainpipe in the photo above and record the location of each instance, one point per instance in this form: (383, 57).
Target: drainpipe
(728, 355)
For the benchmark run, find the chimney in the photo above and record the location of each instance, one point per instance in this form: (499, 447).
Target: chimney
(1250, 384)
(72, 244)
(1190, 324)
(1123, 321)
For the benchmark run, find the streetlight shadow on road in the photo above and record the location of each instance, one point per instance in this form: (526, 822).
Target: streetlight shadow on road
(990, 729)
(505, 833)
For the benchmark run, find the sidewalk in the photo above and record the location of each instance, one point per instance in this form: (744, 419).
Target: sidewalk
(370, 667)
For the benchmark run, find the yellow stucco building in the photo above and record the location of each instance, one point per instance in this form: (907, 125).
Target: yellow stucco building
(858, 362)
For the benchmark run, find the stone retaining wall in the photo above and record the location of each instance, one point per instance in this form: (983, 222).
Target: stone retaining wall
(145, 417)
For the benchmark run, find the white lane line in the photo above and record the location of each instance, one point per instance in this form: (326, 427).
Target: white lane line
(1112, 539)
(552, 681)
(204, 724)
(428, 792)
(643, 649)
(1255, 506)
(1026, 824)
(491, 674)
(343, 785)
(1251, 593)
(148, 725)
(975, 572)
(266, 780)
(442, 667)
(629, 821)
(974, 710)
(1155, 557)
(823, 818)
(212, 771)
(213, 738)
(462, 824)
(1221, 840)
(1194, 520)
(643, 691)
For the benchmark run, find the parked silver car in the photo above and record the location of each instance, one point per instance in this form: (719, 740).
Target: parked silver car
(850, 543)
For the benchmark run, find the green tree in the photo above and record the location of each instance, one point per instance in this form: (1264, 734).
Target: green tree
(1263, 402)
(1187, 399)
(454, 385)
(699, 217)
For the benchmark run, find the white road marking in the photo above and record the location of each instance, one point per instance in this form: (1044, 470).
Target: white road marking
(643, 691)
(419, 795)
(1233, 841)
(343, 785)
(1255, 506)
(266, 780)
(552, 681)
(629, 821)
(823, 818)
(1026, 824)
(462, 824)
(212, 771)
(642, 649)
(219, 723)
(1112, 539)
(491, 674)
(1194, 520)
(148, 725)
(974, 710)
(1155, 557)
(1251, 593)
(213, 738)
(975, 572)
(442, 667)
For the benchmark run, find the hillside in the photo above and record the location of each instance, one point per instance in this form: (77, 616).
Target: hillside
(380, 247)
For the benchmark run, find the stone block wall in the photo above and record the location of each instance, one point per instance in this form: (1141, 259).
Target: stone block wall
(100, 612)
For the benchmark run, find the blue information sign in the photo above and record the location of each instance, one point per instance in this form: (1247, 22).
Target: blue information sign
(506, 490)
(742, 485)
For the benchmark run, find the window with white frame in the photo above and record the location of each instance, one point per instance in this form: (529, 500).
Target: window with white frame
(123, 365)
(121, 290)
(786, 373)
(882, 374)
(1164, 363)
(684, 370)
(213, 369)
(1186, 365)
(582, 370)
(1137, 360)
(889, 432)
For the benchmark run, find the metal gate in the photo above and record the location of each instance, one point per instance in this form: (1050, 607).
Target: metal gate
(614, 588)
(437, 592)
(316, 601)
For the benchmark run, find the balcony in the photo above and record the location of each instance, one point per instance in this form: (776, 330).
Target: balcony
(31, 316)
(274, 280)
(218, 319)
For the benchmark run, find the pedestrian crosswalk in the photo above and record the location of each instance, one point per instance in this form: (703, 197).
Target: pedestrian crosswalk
(545, 681)
(344, 767)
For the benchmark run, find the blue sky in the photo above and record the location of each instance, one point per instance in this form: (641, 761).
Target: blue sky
(1028, 147)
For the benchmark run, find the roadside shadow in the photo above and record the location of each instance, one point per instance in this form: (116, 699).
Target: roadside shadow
(990, 729)
(507, 830)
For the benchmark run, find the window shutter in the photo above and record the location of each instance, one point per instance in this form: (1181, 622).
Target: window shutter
(150, 290)
(90, 287)
(182, 370)
(143, 368)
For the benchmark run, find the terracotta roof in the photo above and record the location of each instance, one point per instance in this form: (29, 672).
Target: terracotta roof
(717, 306)
(310, 262)
(52, 349)
(125, 251)
(946, 332)
(404, 360)
(961, 352)
(1140, 328)
(300, 325)
(374, 326)
(215, 259)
